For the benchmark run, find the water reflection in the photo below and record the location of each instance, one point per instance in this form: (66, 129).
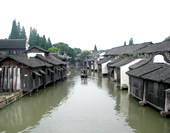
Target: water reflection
(30, 110)
(92, 104)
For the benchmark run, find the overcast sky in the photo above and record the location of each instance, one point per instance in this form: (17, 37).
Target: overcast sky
(84, 23)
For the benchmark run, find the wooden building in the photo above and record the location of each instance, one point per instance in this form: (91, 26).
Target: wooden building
(12, 46)
(127, 50)
(59, 67)
(162, 46)
(19, 72)
(149, 82)
(120, 68)
(30, 70)
(102, 65)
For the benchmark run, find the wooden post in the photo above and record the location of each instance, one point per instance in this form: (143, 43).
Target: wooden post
(37, 90)
(143, 102)
(166, 102)
(166, 113)
(30, 93)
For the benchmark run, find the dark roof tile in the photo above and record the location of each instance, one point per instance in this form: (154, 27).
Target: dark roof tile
(140, 63)
(122, 62)
(12, 43)
(148, 68)
(158, 75)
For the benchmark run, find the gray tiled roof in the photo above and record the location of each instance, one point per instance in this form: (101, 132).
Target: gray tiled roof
(122, 62)
(50, 59)
(31, 62)
(159, 75)
(92, 54)
(162, 46)
(37, 47)
(148, 68)
(128, 49)
(140, 63)
(12, 43)
(103, 60)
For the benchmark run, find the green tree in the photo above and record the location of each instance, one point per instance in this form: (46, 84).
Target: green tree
(63, 47)
(131, 41)
(23, 33)
(18, 31)
(14, 31)
(95, 48)
(43, 43)
(53, 49)
(167, 39)
(85, 53)
(33, 37)
(125, 43)
(49, 44)
(72, 54)
(77, 50)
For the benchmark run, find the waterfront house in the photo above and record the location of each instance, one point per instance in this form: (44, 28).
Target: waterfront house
(127, 50)
(149, 82)
(33, 51)
(79, 59)
(65, 58)
(120, 68)
(59, 68)
(102, 65)
(12, 46)
(19, 72)
(99, 57)
(162, 46)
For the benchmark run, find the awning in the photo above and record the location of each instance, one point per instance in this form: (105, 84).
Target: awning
(42, 72)
(58, 69)
(36, 73)
(51, 70)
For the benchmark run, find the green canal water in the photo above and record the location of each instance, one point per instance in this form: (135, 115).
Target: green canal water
(75, 105)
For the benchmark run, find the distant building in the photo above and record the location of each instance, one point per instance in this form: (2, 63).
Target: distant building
(12, 46)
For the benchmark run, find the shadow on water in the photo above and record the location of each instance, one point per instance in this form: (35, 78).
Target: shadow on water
(29, 110)
(92, 104)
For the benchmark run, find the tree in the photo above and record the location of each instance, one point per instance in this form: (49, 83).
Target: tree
(84, 54)
(77, 50)
(167, 39)
(53, 49)
(72, 54)
(63, 47)
(34, 38)
(23, 33)
(125, 43)
(14, 31)
(43, 42)
(95, 48)
(49, 44)
(18, 31)
(131, 41)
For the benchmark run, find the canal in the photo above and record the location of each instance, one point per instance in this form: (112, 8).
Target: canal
(75, 105)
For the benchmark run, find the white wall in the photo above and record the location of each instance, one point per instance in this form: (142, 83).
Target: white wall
(159, 59)
(123, 69)
(104, 67)
(34, 54)
(115, 73)
(18, 80)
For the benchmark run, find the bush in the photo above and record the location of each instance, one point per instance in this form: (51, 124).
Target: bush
(135, 55)
(121, 55)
